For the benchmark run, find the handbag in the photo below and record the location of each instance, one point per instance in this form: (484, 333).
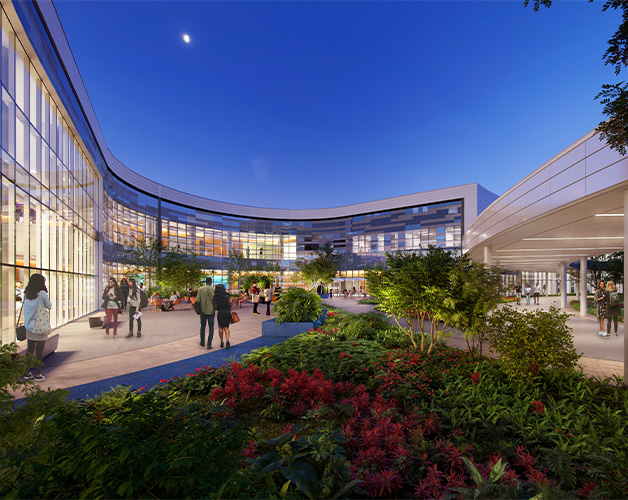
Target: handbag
(41, 325)
(234, 317)
(197, 306)
(20, 331)
(255, 298)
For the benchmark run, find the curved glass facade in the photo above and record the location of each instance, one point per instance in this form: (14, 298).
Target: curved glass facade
(69, 214)
(49, 194)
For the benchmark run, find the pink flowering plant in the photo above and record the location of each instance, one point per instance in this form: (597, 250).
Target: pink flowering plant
(336, 413)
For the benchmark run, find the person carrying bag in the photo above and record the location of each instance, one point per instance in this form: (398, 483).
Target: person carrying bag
(37, 307)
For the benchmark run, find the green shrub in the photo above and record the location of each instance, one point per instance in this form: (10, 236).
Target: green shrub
(529, 340)
(298, 305)
(21, 424)
(336, 359)
(128, 445)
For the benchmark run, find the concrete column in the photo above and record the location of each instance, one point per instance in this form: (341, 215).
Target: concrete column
(625, 274)
(546, 284)
(488, 257)
(563, 285)
(583, 286)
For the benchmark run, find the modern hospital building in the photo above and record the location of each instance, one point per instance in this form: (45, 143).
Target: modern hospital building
(72, 211)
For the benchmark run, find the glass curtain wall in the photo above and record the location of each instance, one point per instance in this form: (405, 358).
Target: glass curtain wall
(363, 239)
(47, 189)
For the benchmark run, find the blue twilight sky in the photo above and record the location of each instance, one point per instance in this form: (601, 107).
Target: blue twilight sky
(295, 104)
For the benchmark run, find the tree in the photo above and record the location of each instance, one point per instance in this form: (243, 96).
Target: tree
(180, 270)
(145, 257)
(476, 291)
(614, 97)
(606, 267)
(415, 288)
(322, 268)
(237, 266)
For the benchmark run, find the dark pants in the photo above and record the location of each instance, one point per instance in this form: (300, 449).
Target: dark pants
(139, 320)
(608, 324)
(255, 304)
(36, 347)
(209, 319)
(268, 307)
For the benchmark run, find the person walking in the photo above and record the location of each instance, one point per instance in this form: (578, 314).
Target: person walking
(537, 293)
(124, 288)
(518, 293)
(600, 301)
(222, 304)
(527, 291)
(268, 298)
(255, 298)
(112, 303)
(613, 307)
(206, 297)
(35, 294)
(137, 302)
(276, 292)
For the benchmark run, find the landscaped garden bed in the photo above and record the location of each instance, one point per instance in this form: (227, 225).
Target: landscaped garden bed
(350, 410)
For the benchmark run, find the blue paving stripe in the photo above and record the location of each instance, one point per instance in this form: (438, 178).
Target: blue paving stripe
(150, 377)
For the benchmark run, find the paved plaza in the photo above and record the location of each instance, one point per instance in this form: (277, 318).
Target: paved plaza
(87, 363)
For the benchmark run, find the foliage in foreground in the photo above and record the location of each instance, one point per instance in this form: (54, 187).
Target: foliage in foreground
(125, 445)
(356, 419)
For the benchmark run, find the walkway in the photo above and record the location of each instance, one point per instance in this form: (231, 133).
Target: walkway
(87, 364)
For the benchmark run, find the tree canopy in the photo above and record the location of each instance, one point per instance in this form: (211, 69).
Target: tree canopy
(322, 268)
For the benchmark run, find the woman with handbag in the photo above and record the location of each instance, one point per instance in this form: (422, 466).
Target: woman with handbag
(37, 307)
(255, 298)
(222, 305)
(112, 303)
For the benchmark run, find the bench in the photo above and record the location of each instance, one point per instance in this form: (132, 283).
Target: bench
(97, 320)
(50, 346)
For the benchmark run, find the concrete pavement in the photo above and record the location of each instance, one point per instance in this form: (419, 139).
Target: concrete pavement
(87, 363)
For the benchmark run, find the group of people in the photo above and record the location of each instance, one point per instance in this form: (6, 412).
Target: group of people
(115, 301)
(608, 307)
(214, 301)
(528, 292)
(264, 297)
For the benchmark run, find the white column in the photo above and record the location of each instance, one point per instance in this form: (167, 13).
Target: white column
(488, 258)
(563, 285)
(583, 286)
(546, 284)
(625, 274)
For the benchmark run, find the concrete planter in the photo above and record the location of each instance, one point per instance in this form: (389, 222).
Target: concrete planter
(270, 328)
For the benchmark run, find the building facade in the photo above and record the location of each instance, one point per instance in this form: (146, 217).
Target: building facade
(72, 211)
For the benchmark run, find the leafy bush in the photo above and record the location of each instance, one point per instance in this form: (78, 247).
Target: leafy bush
(298, 305)
(128, 445)
(336, 359)
(529, 340)
(21, 423)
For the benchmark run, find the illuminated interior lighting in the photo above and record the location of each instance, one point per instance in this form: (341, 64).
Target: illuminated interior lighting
(552, 249)
(609, 215)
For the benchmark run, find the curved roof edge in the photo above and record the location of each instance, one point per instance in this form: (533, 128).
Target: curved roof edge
(468, 192)
(570, 207)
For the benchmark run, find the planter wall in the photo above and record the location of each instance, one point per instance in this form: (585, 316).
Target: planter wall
(270, 328)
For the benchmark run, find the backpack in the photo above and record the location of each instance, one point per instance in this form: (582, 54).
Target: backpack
(614, 299)
(197, 306)
(143, 300)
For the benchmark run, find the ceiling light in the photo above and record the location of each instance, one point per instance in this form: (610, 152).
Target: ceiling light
(577, 238)
(609, 215)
